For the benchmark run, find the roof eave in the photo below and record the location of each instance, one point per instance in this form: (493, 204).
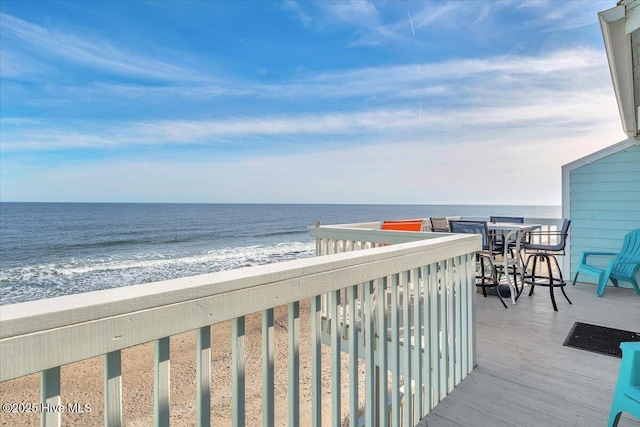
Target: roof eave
(617, 24)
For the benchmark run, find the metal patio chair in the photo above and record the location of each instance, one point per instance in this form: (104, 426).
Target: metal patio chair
(556, 242)
(485, 279)
(499, 238)
(439, 225)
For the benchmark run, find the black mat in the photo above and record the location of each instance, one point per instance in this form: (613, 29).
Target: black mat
(599, 339)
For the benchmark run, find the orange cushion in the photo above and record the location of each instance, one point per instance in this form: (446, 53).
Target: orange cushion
(403, 225)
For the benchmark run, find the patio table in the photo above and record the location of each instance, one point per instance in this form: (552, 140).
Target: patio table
(513, 232)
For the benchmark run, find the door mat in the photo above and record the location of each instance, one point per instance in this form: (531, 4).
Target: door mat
(599, 339)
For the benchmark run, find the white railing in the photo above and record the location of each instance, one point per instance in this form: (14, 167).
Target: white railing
(425, 288)
(349, 237)
(423, 307)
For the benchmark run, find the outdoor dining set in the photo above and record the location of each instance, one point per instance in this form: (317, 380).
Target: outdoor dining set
(525, 254)
(516, 250)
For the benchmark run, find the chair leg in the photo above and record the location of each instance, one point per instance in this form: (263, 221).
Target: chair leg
(533, 272)
(614, 418)
(482, 278)
(499, 296)
(575, 278)
(562, 284)
(602, 284)
(549, 272)
(552, 282)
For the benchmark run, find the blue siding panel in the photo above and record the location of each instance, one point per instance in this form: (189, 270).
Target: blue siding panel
(604, 205)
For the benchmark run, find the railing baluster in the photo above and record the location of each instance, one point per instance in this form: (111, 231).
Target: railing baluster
(353, 357)
(50, 398)
(417, 345)
(457, 305)
(336, 388)
(406, 348)
(444, 330)
(395, 351)
(471, 268)
(113, 389)
(294, 364)
(451, 354)
(464, 315)
(428, 271)
(238, 371)
(161, 383)
(431, 317)
(316, 361)
(268, 372)
(383, 393)
(203, 370)
(436, 329)
(370, 363)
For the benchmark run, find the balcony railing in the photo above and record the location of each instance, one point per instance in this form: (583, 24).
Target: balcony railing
(404, 310)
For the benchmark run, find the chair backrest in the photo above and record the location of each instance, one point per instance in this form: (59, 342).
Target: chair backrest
(631, 246)
(562, 236)
(439, 224)
(630, 252)
(403, 225)
(473, 227)
(508, 219)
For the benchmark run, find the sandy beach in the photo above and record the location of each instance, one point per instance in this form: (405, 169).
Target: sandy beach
(82, 382)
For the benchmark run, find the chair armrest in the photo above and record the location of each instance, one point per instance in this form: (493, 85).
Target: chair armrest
(586, 254)
(543, 233)
(599, 253)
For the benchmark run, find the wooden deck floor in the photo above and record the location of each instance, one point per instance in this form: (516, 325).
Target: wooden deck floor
(526, 377)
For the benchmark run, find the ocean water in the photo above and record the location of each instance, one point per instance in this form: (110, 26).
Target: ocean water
(52, 249)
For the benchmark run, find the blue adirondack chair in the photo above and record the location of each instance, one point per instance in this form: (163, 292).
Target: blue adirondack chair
(623, 267)
(627, 395)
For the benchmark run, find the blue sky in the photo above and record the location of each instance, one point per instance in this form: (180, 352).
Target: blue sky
(466, 102)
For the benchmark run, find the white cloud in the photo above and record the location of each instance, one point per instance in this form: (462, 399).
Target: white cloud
(564, 90)
(91, 52)
(465, 167)
(357, 12)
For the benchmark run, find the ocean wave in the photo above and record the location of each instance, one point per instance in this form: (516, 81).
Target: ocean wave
(83, 275)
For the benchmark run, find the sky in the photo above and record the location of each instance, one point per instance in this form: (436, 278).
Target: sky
(384, 102)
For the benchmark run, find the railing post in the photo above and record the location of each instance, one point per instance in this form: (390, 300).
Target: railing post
(50, 416)
(294, 364)
(268, 376)
(238, 371)
(203, 370)
(316, 361)
(113, 389)
(161, 388)
(336, 338)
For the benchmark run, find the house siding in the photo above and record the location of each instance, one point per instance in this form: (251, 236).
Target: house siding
(604, 206)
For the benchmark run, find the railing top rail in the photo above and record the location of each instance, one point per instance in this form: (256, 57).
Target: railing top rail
(347, 232)
(371, 226)
(103, 321)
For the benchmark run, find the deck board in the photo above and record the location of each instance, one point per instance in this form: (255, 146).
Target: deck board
(526, 377)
